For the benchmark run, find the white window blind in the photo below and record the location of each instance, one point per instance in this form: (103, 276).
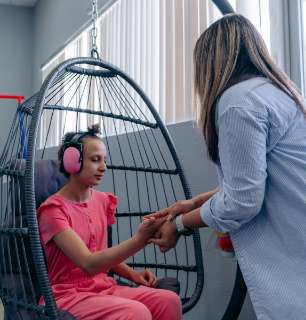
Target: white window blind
(153, 41)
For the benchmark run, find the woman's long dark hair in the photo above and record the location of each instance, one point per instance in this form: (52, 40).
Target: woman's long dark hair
(228, 51)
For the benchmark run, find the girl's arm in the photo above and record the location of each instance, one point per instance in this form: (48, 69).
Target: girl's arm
(101, 261)
(145, 277)
(124, 271)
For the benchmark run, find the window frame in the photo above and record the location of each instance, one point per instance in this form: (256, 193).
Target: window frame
(295, 42)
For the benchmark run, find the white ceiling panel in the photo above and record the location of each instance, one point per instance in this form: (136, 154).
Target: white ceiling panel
(24, 3)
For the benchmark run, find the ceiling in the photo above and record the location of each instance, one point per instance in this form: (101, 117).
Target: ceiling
(24, 3)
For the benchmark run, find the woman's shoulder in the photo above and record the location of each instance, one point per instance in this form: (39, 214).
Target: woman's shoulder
(239, 95)
(259, 95)
(261, 98)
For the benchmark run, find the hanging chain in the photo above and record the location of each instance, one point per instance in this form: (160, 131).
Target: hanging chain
(94, 30)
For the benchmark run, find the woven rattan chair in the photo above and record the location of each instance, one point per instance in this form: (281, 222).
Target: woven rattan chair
(143, 171)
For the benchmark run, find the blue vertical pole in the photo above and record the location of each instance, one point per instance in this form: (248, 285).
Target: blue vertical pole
(22, 133)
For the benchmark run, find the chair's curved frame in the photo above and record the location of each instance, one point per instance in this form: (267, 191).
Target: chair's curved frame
(29, 180)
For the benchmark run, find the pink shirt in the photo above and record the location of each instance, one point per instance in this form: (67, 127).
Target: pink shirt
(89, 220)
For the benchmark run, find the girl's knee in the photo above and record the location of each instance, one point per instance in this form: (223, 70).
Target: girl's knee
(172, 304)
(170, 296)
(137, 311)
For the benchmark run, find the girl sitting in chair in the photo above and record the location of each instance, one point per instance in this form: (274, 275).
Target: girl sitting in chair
(73, 228)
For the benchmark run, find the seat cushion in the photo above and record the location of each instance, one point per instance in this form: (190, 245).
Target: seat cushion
(48, 179)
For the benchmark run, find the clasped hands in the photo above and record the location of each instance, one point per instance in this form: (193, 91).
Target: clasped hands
(160, 228)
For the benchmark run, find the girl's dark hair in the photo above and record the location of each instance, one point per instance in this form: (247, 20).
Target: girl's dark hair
(92, 132)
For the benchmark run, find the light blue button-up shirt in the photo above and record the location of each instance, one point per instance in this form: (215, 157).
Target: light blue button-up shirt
(262, 200)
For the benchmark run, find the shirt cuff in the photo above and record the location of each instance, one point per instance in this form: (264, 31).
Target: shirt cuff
(207, 214)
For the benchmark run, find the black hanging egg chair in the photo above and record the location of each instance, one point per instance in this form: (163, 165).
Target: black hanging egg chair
(143, 171)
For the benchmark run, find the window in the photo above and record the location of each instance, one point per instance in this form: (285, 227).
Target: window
(302, 47)
(153, 41)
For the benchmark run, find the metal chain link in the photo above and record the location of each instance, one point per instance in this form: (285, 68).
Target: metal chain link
(94, 30)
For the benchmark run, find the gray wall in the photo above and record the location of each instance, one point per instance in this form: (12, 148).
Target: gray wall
(16, 42)
(54, 23)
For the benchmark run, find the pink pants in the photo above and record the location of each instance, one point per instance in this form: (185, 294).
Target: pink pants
(125, 303)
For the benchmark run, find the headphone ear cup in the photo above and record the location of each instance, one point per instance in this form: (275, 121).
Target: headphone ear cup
(72, 160)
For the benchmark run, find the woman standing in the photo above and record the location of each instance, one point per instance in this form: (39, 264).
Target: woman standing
(253, 121)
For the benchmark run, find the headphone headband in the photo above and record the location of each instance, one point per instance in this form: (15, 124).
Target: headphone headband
(77, 137)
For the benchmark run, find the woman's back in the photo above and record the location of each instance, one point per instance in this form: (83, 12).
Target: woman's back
(270, 244)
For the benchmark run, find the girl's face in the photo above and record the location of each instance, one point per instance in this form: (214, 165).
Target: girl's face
(94, 156)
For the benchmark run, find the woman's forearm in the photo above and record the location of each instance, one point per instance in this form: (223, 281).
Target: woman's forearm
(203, 197)
(193, 219)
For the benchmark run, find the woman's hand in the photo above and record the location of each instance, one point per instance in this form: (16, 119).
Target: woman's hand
(177, 208)
(145, 278)
(166, 237)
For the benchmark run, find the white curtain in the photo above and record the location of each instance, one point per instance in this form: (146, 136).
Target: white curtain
(181, 22)
(153, 41)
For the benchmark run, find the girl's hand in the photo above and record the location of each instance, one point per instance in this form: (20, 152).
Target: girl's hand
(145, 278)
(148, 228)
(177, 208)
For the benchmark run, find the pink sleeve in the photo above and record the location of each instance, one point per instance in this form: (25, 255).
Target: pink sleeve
(51, 220)
(111, 206)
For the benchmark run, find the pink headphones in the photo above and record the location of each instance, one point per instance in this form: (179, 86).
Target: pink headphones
(72, 160)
